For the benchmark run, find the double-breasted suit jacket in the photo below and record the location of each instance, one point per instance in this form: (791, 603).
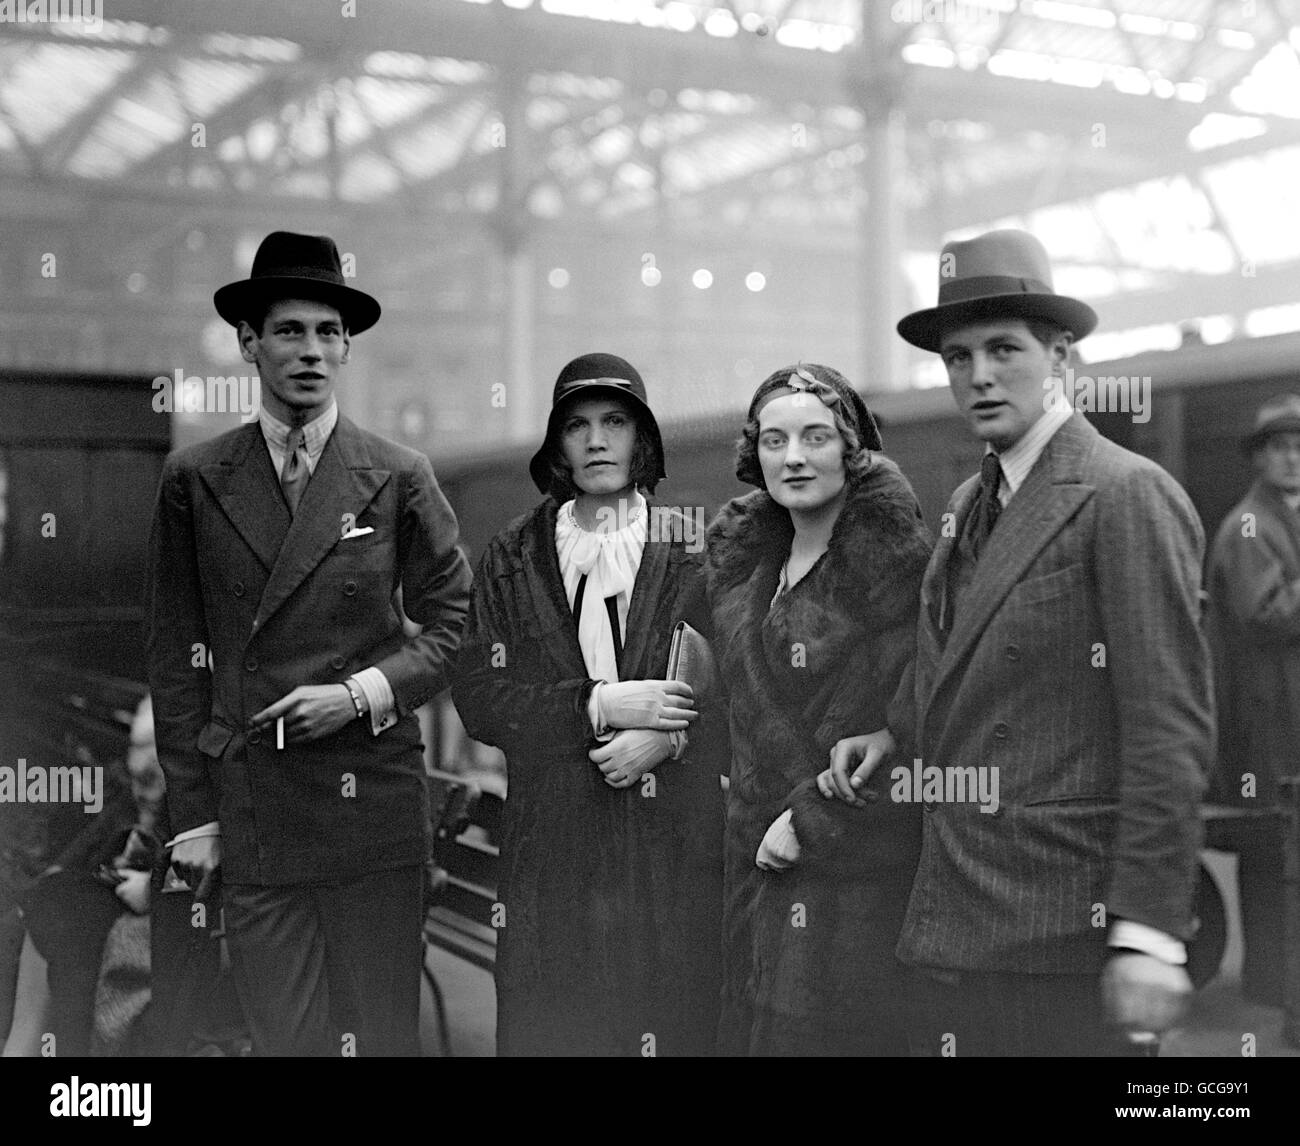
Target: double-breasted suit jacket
(1077, 667)
(280, 601)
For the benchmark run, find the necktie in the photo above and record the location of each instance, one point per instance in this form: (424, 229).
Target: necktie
(293, 478)
(988, 508)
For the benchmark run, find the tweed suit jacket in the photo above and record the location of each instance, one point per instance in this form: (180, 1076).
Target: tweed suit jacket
(1075, 665)
(280, 601)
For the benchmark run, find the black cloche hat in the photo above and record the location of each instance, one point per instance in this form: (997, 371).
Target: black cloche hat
(594, 374)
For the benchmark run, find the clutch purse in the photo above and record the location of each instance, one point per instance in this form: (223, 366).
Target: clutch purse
(690, 660)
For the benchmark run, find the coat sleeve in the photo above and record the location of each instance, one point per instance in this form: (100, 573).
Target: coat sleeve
(435, 579)
(1252, 580)
(497, 703)
(177, 651)
(1148, 579)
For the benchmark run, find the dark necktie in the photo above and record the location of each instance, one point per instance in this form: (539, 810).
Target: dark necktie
(293, 478)
(988, 508)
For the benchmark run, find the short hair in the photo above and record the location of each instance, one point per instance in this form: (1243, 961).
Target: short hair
(1047, 331)
(644, 470)
(857, 459)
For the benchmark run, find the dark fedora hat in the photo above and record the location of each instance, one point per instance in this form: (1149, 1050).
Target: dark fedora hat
(288, 265)
(1276, 416)
(1000, 274)
(588, 376)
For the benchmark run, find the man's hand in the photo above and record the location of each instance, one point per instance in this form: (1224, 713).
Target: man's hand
(630, 755)
(1143, 993)
(780, 847)
(853, 760)
(310, 712)
(663, 705)
(196, 862)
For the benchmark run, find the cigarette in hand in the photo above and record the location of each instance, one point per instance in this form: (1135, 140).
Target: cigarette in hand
(279, 732)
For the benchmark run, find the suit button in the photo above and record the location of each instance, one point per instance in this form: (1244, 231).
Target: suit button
(1013, 652)
(1000, 729)
(251, 664)
(237, 588)
(337, 662)
(349, 588)
(254, 738)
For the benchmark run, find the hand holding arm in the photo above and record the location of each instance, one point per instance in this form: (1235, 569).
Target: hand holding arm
(630, 755)
(853, 760)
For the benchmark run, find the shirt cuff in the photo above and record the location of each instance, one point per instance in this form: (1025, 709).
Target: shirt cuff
(211, 828)
(378, 692)
(594, 714)
(1148, 940)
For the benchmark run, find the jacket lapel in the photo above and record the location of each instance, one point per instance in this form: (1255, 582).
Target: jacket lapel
(1050, 496)
(646, 593)
(248, 491)
(541, 569)
(343, 483)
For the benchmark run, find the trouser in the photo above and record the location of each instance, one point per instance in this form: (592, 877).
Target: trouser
(995, 1014)
(329, 970)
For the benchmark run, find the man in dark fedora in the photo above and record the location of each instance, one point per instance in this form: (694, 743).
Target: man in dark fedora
(1254, 577)
(1061, 663)
(282, 556)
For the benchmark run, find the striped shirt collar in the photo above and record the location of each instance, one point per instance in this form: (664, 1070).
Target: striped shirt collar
(315, 433)
(1019, 459)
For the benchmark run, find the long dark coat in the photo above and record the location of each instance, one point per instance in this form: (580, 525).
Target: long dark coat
(809, 964)
(612, 897)
(1254, 583)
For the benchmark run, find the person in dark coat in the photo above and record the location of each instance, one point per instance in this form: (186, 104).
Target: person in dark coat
(1254, 576)
(814, 582)
(611, 865)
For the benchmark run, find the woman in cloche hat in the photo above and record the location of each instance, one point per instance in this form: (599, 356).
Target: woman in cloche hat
(611, 863)
(814, 580)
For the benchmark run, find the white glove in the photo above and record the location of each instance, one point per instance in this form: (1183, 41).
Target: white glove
(630, 755)
(780, 847)
(134, 891)
(664, 705)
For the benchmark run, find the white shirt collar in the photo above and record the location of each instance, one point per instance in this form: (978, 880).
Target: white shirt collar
(315, 433)
(1019, 459)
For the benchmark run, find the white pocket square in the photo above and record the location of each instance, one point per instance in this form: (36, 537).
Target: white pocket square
(357, 532)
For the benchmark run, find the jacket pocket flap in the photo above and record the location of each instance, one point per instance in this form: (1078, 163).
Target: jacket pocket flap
(213, 739)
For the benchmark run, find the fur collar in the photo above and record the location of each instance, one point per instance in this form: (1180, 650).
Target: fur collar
(877, 529)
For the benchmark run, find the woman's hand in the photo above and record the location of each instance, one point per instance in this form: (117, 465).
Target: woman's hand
(853, 760)
(630, 755)
(780, 847)
(662, 705)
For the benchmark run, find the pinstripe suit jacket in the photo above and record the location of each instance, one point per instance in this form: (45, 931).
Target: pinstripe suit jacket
(1077, 667)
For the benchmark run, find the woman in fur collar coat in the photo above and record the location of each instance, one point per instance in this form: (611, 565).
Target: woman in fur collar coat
(611, 861)
(814, 582)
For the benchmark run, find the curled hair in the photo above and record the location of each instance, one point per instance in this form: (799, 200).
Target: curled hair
(644, 470)
(857, 459)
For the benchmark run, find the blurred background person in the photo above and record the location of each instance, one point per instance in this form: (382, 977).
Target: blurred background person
(1254, 581)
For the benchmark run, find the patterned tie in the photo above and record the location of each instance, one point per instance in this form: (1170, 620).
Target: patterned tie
(293, 478)
(988, 508)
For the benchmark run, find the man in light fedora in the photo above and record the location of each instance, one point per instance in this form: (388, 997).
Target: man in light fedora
(1059, 656)
(293, 759)
(1254, 577)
